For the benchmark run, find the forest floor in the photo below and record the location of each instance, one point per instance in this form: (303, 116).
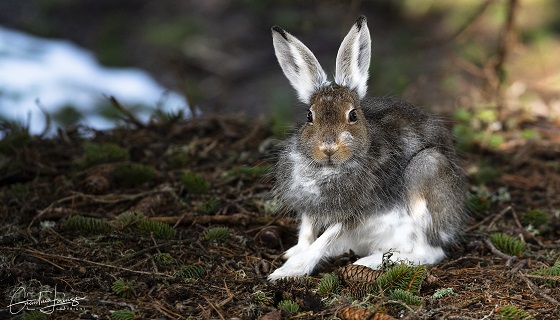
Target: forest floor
(181, 225)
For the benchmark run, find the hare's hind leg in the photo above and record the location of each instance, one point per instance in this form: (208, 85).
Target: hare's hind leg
(430, 219)
(436, 195)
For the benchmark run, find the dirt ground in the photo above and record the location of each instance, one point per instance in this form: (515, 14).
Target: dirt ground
(202, 271)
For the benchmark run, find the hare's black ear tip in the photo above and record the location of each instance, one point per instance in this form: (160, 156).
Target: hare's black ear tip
(280, 31)
(361, 21)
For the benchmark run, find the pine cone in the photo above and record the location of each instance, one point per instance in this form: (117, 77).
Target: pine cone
(353, 273)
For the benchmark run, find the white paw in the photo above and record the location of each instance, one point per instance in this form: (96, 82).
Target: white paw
(295, 266)
(373, 261)
(295, 250)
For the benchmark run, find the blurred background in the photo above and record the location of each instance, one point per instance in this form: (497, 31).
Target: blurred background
(479, 61)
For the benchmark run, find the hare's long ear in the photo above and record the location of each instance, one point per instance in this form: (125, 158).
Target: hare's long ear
(298, 63)
(353, 58)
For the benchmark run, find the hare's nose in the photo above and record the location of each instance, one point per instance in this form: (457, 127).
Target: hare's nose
(328, 148)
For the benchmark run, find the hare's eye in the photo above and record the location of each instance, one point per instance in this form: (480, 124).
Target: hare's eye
(309, 116)
(352, 116)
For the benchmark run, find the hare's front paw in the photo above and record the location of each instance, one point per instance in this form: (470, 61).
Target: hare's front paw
(295, 250)
(297, 265)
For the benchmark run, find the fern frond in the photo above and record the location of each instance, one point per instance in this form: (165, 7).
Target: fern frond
(218, 234)
(511, 312)
(123, 315)
(86, 225)
(507, 244)
(193, 271)
(329, 284)
(406, 297)
(159, 229)
(129, 218)
(550, 272)
(402, 276)
(123, 288)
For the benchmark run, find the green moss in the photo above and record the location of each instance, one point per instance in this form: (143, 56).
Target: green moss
(194, 183)
(99, 153)
(507, 244)
(134, 174)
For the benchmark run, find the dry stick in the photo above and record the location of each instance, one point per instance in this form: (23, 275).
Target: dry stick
(214, 307)
(504, 48)
(131, 117)
(470, 21)
(549, 278)
(95, 263)
(108, 198)
(538, 290)
(497, 252)
(493, 217)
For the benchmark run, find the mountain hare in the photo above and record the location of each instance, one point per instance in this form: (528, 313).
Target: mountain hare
(371, 175)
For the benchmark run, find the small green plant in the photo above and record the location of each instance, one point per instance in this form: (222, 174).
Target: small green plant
(123, 288)
(14, 141)
(134, 174)
(406, 297)
(193, 271)
(536, 218)
(86, 225)
(34, 315)
(553, 273)
(288, 306)
(98, 153)
(123, 315)
(442, 293)
(402, 276)
(261, 297)
(511, 312)
(329, 285)
(137, 222)
(479, 200)
(507, 244)
(19, 190)
(163, 258)
(158, 229)
(210, 206)
(217, 234)
(194, 183)
(128, 219)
